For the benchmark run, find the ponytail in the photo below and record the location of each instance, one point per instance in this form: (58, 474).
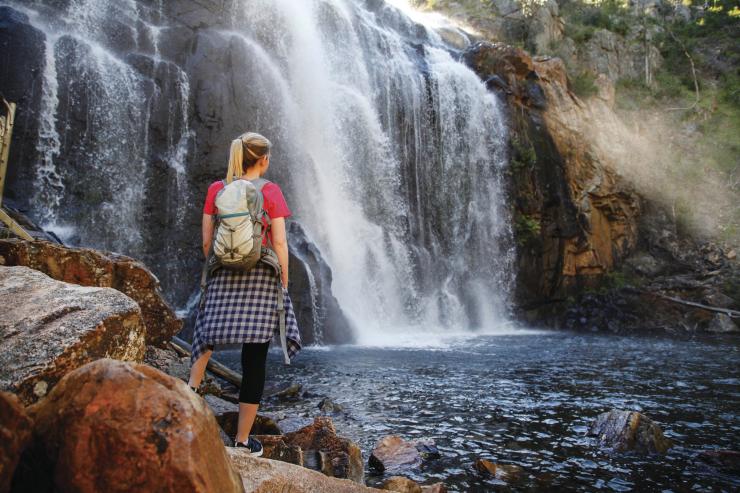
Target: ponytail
(236, 160)
(256, 147)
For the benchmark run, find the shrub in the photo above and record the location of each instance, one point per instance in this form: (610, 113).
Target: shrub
(584, 84)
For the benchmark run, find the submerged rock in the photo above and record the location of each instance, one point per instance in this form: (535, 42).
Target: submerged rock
(88, 267)
(727, 461)
(392, 453)
(629, 431)
(265, 475)
(328, 406)
(114, 426)
(288, 393)
(15, 434)
(49, 328)
(504, 472)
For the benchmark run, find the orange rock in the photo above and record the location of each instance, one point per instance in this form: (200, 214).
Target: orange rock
(88, 267)
(401, 485)
(393, 453)
(119, 427)
(504, 472)
(325, 451)
(15, 433)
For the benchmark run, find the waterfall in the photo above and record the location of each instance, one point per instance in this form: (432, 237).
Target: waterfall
(391, 153)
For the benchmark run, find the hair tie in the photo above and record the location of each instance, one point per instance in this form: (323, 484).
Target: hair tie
(251, 152)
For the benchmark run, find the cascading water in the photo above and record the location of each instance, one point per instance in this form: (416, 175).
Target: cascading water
(391, 153)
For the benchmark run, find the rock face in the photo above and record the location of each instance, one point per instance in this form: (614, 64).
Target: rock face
(575, 219)
(88, 267)
(21, 72)
(616, 56)
(319, 315)
(629, 431)
(15, 433)
(115, 426)
(267, 476)
(49, 328)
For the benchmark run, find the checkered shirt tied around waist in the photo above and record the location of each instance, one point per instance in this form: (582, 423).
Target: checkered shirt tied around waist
(242, 307)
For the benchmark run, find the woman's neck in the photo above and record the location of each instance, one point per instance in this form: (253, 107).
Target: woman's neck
(250, 175)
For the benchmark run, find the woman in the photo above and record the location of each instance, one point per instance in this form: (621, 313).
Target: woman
(241, 307)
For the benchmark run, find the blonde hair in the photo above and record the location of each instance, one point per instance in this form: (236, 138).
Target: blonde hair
(245, 151)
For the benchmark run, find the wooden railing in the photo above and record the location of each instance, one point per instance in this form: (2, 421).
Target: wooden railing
(6, 134)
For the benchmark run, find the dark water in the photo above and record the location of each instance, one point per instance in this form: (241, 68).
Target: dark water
(528, 400)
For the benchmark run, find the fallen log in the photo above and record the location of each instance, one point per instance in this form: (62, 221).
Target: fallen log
(184, 349)
(726, 311)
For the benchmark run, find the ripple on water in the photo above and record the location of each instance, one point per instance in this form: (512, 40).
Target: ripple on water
(528, 400)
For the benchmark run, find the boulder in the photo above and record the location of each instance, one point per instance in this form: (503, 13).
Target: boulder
(324, 451)
(629, 431)
(266, 476)
(503, 472)
(401, 485)
(116, 427)
(49, 328)
(88, 267)
(392, 453)
(15, 434)
(275, 448)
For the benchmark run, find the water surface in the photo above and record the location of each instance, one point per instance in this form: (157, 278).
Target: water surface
(527, 400)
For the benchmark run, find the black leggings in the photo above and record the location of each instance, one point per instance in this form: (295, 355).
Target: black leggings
(254, 357)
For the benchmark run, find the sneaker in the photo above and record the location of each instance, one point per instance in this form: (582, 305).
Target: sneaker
(253, 445)
(198, 391)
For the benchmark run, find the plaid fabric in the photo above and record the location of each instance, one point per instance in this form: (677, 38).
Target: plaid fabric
(242, 307)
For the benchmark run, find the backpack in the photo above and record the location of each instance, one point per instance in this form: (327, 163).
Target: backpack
(237, 241)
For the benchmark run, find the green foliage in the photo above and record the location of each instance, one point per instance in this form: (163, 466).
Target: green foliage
(526, 229)
(584, 18)
(584, 84)
(523, 154)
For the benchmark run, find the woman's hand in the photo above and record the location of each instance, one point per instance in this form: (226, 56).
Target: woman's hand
(208, 223)
(280, 244)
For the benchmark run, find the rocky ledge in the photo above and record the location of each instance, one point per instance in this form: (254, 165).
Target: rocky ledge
(88, 267)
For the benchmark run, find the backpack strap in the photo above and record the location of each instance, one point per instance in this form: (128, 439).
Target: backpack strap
(270, 258)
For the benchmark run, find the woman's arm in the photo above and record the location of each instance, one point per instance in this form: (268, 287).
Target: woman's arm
(280, 244)
(207, 233)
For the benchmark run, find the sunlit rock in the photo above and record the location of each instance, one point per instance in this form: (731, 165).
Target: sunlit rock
(88, 267)
(116, 426)
(49, 328)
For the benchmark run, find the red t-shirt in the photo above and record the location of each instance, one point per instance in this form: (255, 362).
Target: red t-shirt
(274, 205)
